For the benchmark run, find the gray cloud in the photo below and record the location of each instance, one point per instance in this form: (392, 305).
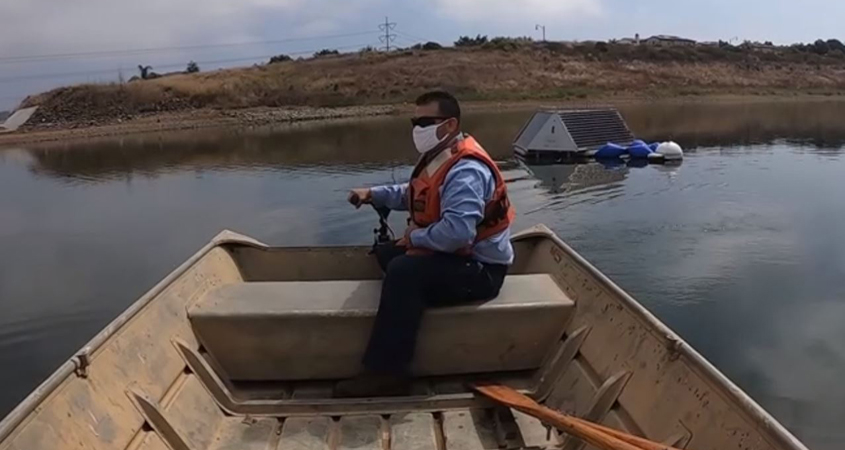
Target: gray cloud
(525, 11)
(49, 27)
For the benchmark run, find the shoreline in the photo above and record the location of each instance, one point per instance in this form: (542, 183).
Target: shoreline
(192, 120)
(264, 116)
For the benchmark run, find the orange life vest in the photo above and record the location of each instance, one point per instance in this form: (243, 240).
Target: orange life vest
(427, 182)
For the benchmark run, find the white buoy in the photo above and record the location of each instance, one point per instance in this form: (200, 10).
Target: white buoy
(671, 151)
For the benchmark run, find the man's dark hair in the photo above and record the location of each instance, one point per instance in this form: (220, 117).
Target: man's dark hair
(447, 104)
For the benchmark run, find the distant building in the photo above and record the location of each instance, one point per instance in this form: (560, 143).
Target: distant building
(709, 43)
(630, 41)
(766, 47)
(664, 40)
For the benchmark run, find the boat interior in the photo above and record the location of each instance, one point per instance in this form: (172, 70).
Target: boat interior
(241, 346)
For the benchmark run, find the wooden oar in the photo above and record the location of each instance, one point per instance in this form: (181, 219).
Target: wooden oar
(595, 434)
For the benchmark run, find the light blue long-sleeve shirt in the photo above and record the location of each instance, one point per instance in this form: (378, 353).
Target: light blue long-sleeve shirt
(468, 187)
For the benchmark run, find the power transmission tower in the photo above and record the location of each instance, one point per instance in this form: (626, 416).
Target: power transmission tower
(541, 27)
(387, 27)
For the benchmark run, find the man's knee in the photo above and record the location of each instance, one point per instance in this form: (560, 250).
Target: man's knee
(405, 269)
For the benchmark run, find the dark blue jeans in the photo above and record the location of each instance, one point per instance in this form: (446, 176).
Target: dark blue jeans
(414, 283)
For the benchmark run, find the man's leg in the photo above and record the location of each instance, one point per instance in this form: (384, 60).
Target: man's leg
(385, 253)
(411, 284)
(400, 310)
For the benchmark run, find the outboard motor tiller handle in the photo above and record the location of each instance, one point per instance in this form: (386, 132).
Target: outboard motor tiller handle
(383, 234)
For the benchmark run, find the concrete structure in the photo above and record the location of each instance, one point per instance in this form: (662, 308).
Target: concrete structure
(146, 382)
(17, 119)
(664, 40)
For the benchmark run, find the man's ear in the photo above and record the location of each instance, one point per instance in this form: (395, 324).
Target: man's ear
(452, 125)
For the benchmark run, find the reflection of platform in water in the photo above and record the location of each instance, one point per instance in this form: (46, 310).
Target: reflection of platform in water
(563, 178)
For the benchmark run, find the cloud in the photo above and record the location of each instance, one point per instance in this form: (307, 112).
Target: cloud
(45, 26)
(50, 27)
(511, 12)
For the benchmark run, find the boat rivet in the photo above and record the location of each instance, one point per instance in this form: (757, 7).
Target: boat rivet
(81, 362)
(674, 348)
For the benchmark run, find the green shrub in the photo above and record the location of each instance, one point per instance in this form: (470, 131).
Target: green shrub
(820, 47)
(326, 52)
(835, 44)
(466, 41)
(280, 58)
(554, 47)
(427, 46)
(507, 43)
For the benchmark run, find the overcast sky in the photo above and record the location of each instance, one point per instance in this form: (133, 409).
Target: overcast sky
(50, 27)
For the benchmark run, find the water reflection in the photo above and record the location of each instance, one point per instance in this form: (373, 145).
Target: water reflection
(569, 178)
(738, 249)
(814, 123)
(385, 141)
(345, 145)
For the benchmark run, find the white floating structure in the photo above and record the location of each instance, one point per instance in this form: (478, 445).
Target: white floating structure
(554, 135)
(670, 150)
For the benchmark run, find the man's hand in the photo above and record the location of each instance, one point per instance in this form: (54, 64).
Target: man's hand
(358, 197)
(411, 227)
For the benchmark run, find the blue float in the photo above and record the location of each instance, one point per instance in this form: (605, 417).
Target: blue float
(638, 149)
(611, 151)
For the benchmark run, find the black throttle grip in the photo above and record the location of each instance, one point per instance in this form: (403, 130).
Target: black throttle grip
(355, 199)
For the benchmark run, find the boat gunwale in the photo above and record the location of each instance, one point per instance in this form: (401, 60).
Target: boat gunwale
(672, 340)
(24, 409)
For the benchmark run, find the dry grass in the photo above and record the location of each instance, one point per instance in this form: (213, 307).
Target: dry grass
(481, 74)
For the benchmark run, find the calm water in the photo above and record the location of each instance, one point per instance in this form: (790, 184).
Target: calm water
(739, 249)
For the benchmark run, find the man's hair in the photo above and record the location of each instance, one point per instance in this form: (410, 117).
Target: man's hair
(447, 104)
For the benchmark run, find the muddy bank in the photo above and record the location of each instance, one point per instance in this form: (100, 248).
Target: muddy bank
(186, 120)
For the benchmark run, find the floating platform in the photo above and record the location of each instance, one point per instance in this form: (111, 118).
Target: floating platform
(569, 135)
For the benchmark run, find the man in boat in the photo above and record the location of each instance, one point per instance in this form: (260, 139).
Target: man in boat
(456, 249)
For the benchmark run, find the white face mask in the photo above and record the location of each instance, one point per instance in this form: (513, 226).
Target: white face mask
(425, 139)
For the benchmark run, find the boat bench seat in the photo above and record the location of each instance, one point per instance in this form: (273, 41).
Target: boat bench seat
(319, 330)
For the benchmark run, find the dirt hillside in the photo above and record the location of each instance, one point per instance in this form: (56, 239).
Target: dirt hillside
(499, 72)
